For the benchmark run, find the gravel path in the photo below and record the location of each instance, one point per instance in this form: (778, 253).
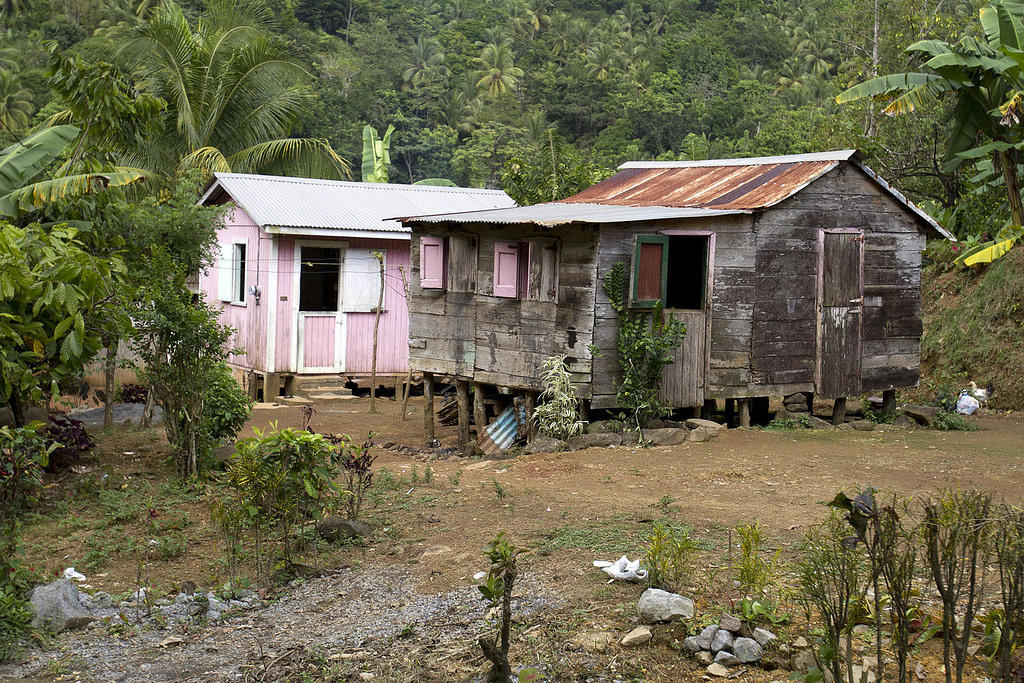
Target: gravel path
(350, 609)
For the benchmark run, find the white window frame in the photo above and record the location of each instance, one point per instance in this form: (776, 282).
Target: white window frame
(238, 272)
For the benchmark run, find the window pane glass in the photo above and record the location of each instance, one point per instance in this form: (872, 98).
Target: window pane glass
(318, 279)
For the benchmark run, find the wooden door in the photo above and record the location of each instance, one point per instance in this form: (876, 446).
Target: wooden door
(842, 297)
(682, 383)
(320, 323)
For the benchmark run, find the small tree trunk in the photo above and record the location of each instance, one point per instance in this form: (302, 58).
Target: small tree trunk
(376, 327)
(109, 365)
(17, 410)
(147, 412)
(1012, 187)
(408, 372)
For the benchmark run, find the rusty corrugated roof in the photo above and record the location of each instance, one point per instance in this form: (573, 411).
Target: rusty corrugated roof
(732, 186)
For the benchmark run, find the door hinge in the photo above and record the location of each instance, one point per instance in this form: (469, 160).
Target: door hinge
(856, 239)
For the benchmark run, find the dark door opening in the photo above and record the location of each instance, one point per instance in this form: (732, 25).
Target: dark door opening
(318, 278)
(687, 281)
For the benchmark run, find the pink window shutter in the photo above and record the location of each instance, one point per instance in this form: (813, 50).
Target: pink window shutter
(506, 269)
(432, 262)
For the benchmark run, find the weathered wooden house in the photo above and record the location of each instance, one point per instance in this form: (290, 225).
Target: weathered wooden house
(297, 276)
(795, 273)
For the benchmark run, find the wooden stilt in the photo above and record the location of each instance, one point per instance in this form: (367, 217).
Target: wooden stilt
(730, 411)
(710, 406)
(529, 403)
(839, 411)
(462, 395)
(585, 411)
(810, 402)
(479, 409)
(428, 406)
(888, 401)
(744, 412)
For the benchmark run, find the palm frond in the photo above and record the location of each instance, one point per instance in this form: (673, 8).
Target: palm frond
(887, 85)
(313, 157)
(38, 194)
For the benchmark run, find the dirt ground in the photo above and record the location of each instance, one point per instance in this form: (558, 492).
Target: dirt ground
(435, 511)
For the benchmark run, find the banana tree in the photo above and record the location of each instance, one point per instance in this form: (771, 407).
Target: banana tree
(22, 164)
(376, 154)
(982, 75)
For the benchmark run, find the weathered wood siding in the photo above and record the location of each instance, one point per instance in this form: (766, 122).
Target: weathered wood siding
(503, 341)
(731, 303)
(785, 326)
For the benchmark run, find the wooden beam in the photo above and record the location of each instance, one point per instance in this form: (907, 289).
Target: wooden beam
(462, 395)
(744, 412)
(428, 406)
(839, 411)
(888, 401)
(479, 409)
(529, 403)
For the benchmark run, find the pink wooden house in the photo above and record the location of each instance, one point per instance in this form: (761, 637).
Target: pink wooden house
(298, 279)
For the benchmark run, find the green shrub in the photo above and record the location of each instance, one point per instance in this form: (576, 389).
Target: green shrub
(954, 422)
(558, 415)
(754, 571)
(225, 411)
(15, 622)
(668, 557)
(23, 455)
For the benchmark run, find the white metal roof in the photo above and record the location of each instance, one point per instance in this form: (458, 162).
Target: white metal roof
(298, 205)
(558, 213)
(836, 155)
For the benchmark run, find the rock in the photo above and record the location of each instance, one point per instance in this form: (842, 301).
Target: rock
(803, 661)
(863, 425)
(696, 423)
(706, 636)
(212, 615)
(102, 600)
(722, 641)
(603, 427)
(162, 602)
(542, 443)
(127, 414)
(747, 650)
(435, 551)
(904, 421)
(58, 605)
(701, 434)
(845, 427)
(798, 399)
(657, 605)
(763, 636)
(726, 658)
(924, 415)
(704, 657)
(718, 670)
(216, 605)
(367, 676)
(337, 528)
(641, 635)
(692, 644)
(813, 422)
(665, 437)
(578, 443)
(801, 642)
(784, 414)
(182, 598)
(593, 641)
(730, 623)
(860, 674)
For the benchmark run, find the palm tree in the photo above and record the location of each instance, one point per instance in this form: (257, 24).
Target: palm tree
(232, 91)
(15, 103)
(536, 126)
(602, 60)
(10, 9)
(427, 60)
(498, 73)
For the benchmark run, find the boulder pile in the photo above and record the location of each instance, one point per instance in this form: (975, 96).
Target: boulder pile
(606, 434)
(728, 643)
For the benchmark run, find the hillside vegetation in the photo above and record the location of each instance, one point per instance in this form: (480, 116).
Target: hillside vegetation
(974, 327)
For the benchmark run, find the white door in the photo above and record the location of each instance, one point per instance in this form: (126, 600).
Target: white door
(321, 322)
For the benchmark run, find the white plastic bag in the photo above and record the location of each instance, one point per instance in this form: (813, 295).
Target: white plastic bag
(622, 569)
(967, 404)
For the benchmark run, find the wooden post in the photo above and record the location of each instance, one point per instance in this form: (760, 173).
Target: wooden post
(810, 402)
(408, 373)
(529, 403)
(462, 394)
(379, 255)
(730, 411)
(839, 411)
(888, 401)
(710, 406)
(744, 412)
(109, 365)
(479, 410)
(428, 406)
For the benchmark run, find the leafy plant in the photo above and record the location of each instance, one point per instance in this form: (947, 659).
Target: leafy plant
(754, 571)
(355, 461)
(668, 556)
(558, 414)
(1009, 551)
(23, 455)
(954, 422)
(645, 342)
(763, 610)
(69, 440)
(133, 393)
(15, 622)
(497, 590)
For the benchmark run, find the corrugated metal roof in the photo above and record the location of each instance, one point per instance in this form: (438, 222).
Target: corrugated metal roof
(558, 213)
(835, 155)
(278, 201)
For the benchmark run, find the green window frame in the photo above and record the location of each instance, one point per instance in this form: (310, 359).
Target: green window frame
(640, 247)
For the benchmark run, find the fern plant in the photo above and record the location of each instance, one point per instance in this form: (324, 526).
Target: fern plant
(645, 342)
(558, 415)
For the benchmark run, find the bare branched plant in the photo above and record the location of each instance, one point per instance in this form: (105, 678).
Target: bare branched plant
(899, 538)
(1009, 550)
(957, 534)
(497, 589)
(833, 579)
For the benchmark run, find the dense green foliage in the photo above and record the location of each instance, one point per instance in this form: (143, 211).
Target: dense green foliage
(471, 85)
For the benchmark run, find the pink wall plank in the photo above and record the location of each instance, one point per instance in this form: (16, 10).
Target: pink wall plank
(393, 344)
(318, 340)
